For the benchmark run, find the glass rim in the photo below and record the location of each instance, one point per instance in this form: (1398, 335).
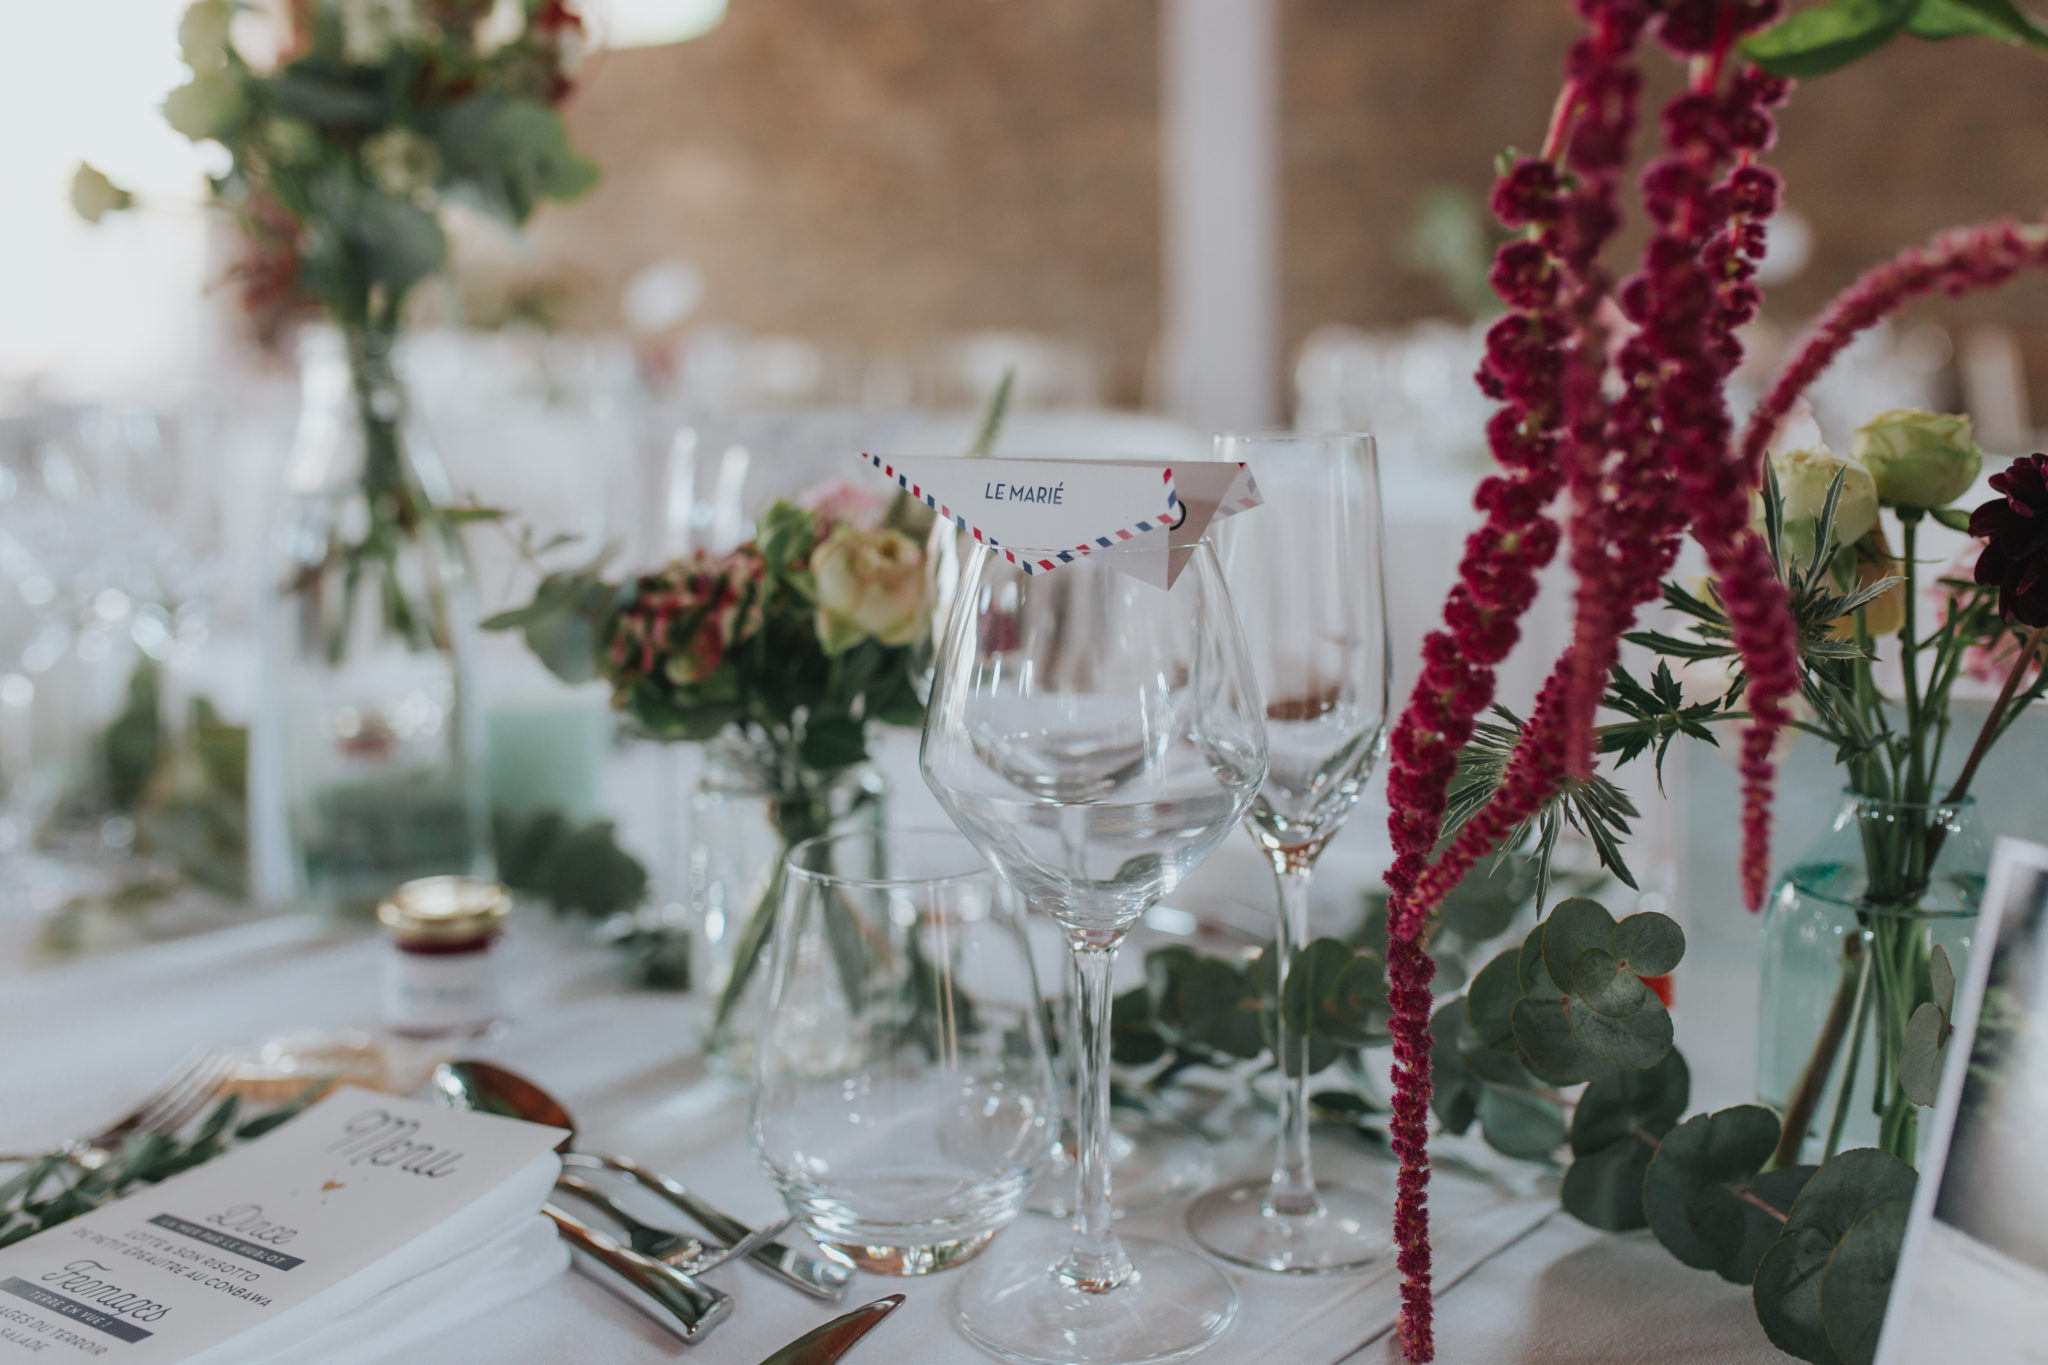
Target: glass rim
(791, 860)
(1864, 798)
(1296, 436)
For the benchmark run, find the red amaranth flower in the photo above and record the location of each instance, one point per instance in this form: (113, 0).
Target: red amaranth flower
(1543, 362)
(1957, 261)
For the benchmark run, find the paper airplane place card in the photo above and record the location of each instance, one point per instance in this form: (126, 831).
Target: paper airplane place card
(1040, 514)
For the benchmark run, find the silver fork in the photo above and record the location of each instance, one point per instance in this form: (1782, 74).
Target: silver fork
(173, 1104)
(680, 1250)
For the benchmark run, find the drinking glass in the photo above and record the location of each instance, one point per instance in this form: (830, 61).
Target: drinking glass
(1096, 737)
(902, 1097)
(1306, 573)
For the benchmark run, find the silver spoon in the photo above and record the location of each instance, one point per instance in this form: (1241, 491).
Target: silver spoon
(471, 1084)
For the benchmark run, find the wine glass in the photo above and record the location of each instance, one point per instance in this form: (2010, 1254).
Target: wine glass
(1306, 572)
(1096, 737)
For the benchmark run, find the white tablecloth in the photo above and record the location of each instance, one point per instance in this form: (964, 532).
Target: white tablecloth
(82, 1040)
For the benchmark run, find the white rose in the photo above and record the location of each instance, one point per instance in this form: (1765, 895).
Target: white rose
(1804, 477)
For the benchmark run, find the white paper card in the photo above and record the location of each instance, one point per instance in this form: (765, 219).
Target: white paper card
(358, 1193)
(1973, 1273)
(1040, 514)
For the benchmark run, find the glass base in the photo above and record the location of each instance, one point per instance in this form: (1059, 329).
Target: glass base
(922, 1259)
(1013, 1304)
(1348, 1232)
(1150, 1162)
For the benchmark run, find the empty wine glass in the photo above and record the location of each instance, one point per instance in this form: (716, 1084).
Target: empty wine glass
(1306, 574)
(1096, 737)
(902, 1098)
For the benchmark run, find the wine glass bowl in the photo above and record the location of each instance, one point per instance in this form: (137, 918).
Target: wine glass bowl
(1097, 737)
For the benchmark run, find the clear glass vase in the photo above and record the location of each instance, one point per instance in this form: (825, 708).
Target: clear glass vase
(373, 642)
(1849, 940)
(752, 805)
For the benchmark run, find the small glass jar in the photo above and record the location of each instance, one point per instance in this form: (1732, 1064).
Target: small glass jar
(441, 974)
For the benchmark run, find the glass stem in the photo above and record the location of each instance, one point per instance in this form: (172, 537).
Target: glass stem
(1292, 1193)
(1095, 1263)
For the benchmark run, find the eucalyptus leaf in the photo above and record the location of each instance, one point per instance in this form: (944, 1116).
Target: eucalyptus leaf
(1490, 1001)
(1943, 977)
(1549, 1047)
(1574, 927)
(1651, 944)
(1640, 1040)
(1787, 1285)
(1530, 974)
(1921, 1053)
(1519, 1123)
(1486, 901)
(1858, 1281)
(1603, 983)
(1692, 1192)
(1604, 1189)
(1632, 1104)
(1454, 1094)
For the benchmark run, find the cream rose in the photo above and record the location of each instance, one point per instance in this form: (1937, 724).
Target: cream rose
(1804, 477)
(1919, 459)
(869, 583)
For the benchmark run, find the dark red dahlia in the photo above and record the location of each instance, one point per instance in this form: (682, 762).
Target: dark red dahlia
(2014, 529)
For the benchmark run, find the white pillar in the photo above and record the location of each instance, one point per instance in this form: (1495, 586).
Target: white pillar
(1220, 201)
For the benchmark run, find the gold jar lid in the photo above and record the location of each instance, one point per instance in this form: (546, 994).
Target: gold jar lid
(445, 909)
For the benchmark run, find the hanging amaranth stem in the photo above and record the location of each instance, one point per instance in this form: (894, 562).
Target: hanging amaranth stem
(1565, 200)
(1957, 261)
(1644, 459)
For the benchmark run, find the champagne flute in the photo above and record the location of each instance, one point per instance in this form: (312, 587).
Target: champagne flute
(1307, 575)
(1097, 738)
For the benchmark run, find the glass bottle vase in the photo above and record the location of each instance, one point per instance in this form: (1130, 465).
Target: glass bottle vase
(1850, 936)
(752, 805)
(373, 636)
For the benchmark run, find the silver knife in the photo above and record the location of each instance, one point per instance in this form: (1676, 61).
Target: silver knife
(814, 1275)
(687, 1307)
(823, 1345)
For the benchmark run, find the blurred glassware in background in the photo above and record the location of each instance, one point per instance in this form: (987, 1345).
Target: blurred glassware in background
(901, 1093)
(1412, 388)
(374, 710)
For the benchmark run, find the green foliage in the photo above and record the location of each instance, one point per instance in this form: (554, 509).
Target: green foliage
(51, 1190)
(1615, 1131)
(1702, 1189)
(1569, 1003)
(579, 870)
(1830, 36)
(1925, 1045)
(1595, 807)
(358, 144)
(1823, 39)
(1849, 1218)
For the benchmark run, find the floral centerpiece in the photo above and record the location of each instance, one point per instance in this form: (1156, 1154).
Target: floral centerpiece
(781, 656)
(346, 145)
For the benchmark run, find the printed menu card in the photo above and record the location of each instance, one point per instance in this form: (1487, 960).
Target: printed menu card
(243, 1254)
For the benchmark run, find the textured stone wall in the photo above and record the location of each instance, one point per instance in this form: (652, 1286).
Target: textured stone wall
(875, 173)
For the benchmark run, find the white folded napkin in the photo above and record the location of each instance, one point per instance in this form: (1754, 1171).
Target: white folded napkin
(459, 1291)
(494, 1222)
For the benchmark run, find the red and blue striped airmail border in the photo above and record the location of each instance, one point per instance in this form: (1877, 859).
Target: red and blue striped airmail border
(1170, 518)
